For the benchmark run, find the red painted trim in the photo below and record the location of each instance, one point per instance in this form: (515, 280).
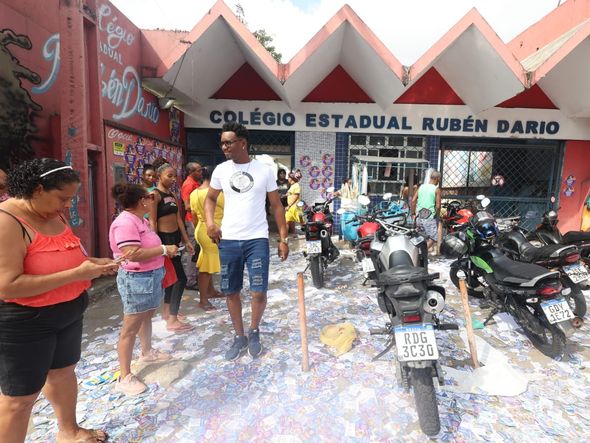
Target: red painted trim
(534, 97)
(246, 84)
(338, 87)
(430, 89)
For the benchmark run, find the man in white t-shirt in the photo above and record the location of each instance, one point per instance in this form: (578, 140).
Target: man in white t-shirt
(243, 236)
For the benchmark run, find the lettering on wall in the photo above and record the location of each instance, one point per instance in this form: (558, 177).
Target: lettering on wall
(50, 54)
(389, 123)
(17, 109)
(122, 86)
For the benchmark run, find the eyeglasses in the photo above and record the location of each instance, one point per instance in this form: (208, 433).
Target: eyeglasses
(149, 197)
(228, 142)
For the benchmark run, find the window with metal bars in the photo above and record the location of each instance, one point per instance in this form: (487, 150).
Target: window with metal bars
(380, 154)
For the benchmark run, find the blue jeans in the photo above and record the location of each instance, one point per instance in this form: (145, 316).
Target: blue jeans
(233, 254)
(140, 291)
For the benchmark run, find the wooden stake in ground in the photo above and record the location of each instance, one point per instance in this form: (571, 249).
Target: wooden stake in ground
(468, 323)
(303, 323)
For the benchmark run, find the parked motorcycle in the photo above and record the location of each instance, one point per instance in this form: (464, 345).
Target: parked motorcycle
(562, 258)
(457, 215)
(406, 293)
(367, 225)
(531, 294)
(320, 251)
(548, 234)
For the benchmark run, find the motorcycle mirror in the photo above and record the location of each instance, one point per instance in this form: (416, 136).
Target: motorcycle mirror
(480, 197)
(340, 211)
(300, 203)
(485, 202)
(387, 196)
(364, 200)
(330, 189)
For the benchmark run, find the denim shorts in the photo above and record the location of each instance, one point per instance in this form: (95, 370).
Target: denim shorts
(140, 291)
(233, 254)
(36, 340)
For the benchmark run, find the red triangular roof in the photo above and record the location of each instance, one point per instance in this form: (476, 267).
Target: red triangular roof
(338, 87)
(246, 84)
(430, 89)
(534, 97)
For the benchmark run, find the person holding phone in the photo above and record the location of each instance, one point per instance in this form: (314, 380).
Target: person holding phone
(43, 283)
(141, 254)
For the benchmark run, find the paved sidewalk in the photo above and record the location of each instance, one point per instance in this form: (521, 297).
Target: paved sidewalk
(201, 397)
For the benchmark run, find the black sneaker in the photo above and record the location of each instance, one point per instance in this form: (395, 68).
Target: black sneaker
(239, 345)
(254, 345)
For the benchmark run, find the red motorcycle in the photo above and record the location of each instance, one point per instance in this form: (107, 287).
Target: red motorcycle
(320, 251)
(458, 215)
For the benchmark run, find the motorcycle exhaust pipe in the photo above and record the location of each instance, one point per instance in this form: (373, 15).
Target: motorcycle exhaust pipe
(577, 322)
(434, 303)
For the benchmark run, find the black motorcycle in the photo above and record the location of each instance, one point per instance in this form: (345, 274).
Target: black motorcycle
(548, 233)
(319, 250)
(562, 258)
(531, 294)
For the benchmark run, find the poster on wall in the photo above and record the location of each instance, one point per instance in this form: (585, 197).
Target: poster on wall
(134, 151)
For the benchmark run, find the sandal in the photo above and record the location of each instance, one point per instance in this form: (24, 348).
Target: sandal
(185, 327)
(154, 355)
(207, 307)
(96, 436)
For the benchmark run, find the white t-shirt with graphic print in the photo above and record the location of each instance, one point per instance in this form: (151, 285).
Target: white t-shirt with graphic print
(244, 187)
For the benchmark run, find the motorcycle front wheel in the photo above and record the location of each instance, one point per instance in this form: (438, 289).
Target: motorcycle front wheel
(425, 398)
(474, 288)
(575, 298)
(317, 271)
(544, 336)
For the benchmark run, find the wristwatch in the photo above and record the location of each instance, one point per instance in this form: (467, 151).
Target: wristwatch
(283, 240)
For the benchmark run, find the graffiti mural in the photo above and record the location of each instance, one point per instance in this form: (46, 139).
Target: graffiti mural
(17, 109)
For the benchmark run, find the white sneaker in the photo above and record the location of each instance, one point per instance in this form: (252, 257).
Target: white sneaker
(130, 386)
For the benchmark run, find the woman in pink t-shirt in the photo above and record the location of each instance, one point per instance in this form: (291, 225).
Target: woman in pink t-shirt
(139, 280)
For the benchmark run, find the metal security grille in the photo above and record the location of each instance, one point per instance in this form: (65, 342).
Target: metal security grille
(271, 142)
(519, 179)
(377, 152)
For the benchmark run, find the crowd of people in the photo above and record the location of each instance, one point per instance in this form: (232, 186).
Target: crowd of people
(46, 270)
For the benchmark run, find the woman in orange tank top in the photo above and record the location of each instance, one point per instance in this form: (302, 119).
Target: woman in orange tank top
(45, 274)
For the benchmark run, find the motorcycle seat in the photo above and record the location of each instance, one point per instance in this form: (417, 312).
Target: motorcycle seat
(530, 253)
(576, 237)
(518, 273)
(405, 274)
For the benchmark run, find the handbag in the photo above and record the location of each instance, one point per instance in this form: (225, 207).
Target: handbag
(170, 276)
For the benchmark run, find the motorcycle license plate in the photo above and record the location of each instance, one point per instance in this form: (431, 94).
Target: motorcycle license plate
(367, 265)
(415, 343)
(557, 310)
(576, 272)
(314, 247)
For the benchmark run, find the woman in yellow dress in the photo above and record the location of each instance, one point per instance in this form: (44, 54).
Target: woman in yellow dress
(292, 211)
(208, 260)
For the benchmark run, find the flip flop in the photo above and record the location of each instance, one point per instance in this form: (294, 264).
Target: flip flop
(101, 379)
(96, 436)
(181, 329)
(207, 307)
